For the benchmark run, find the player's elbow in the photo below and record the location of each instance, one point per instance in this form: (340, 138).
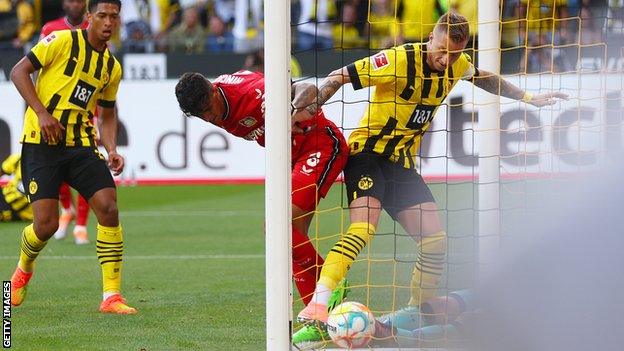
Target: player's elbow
(17, 72)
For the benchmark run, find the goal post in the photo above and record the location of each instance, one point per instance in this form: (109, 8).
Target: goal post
(278, 179)
(487, 136)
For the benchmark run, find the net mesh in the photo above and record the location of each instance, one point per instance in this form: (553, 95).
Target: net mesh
(574, 47)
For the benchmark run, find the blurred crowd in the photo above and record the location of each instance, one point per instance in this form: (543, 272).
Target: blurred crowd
(216, 26)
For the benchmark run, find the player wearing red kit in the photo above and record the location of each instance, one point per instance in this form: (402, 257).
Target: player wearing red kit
(74, 19)
(235, 102)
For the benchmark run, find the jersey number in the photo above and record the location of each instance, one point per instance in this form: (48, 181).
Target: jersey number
(422, 115)
(82, 94)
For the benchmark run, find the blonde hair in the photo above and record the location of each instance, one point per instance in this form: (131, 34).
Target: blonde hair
(455, 25)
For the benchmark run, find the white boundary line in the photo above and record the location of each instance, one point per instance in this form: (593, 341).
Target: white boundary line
(154, 257)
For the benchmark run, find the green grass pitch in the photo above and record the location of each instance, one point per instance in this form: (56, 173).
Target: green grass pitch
(194, 267)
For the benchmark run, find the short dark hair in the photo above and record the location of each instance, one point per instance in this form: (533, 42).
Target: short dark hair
(93, 3)
(193, 92)
(455, 25)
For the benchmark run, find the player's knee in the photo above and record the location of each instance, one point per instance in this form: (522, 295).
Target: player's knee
(109, 214)
(46, 227)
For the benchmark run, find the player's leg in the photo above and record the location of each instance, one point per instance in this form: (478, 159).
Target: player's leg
(317, 164)
(365, 188)
(415, 209)
(67, 211)
(42, 178)
(82, 214)
(89, 175)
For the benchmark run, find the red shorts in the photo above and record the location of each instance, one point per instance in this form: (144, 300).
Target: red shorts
(318, 158)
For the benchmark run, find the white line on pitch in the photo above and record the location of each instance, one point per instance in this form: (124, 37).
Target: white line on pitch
(155, 257)
(215, 213)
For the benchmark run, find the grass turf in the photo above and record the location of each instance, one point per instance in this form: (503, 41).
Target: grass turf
(194, 268)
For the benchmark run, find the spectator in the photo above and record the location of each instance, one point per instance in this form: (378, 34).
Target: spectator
(140, 19)
(383, 28)
(418, 18)
(17, 23)
(219, 38)
(345, 34)
(313, 28)
(543, 33)
(468, 9)
(188, 36)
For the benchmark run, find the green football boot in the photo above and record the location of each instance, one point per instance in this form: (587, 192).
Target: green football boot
(311, 336)
(338, 295)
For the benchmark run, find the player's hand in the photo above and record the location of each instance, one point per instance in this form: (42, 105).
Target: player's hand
(116, 163)
(51, 129)
(301, 115)
(547, 99)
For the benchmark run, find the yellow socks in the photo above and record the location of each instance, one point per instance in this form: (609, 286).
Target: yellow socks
(429, 268)
(29, 249)
(344, 252)
(110, 251)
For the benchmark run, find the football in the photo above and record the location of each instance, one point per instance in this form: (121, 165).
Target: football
(351, 325)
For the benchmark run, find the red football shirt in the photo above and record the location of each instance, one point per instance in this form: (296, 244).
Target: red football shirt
(243, 92)
(60, 24)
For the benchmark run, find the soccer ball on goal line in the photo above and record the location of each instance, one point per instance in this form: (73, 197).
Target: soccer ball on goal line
(351, 325)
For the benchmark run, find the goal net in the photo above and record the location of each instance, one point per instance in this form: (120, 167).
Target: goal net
(574, 47)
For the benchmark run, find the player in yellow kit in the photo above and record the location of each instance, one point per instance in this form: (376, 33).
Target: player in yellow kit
(410, 81)
(76, 73)
(14, 205)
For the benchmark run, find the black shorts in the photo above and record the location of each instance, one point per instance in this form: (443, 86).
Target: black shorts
(396, 187)
(45, 168)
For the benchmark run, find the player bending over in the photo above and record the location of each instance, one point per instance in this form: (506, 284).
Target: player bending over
(235, 102)
(410, 81)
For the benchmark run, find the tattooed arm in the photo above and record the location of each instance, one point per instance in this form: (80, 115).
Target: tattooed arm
(495, 84)
(308, 99)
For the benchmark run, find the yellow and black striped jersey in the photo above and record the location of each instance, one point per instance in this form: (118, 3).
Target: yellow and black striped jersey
(12, 192)
(73, 78)
(403, 104)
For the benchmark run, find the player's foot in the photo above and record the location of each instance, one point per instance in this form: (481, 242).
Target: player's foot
(19, 286)
(117, 305)
(407, 318)
(311, 336)
(338, 295)
(385, 334)
(81, 237)
(64, 219)
(313, 312)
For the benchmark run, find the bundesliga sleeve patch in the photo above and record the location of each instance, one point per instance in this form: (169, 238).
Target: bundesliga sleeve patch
(50, 38)
(379, 61)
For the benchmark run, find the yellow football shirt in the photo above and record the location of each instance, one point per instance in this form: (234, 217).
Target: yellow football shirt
(73, 78)
(403, 104)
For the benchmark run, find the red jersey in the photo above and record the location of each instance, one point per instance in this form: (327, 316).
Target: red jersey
(243, 92)
(60, 24)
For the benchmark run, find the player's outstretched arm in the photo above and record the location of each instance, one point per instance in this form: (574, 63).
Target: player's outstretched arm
(308, 101)
(108, 137)
(495, 84)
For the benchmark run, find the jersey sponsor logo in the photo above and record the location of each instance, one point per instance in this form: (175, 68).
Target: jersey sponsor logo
(82, 94)
(50, 38)
(255, 134)
(248, 121)
(229, 79)
(365, 182)
(421, 116)
(313, 161)
(380, 60)
(32, 187)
